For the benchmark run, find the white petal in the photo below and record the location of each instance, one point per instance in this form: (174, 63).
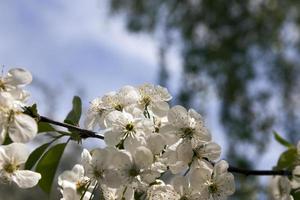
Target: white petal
(102, 158)
(86, 157)
(149, 176)
(210, 150)
(112, 138)
(67, 176)
(199, 176)
(185, 152)
(177, 167)
(122, 159)
(220, 167)
(3, 133)
(178, 116)
(156, 143)
(180, 184)
(226, 183)
(113, 179)
(18, 76)
(17, 152)
(143, 157)
(163, 93)
(132, 143)
(26, 178)
(160, 108)
(78, 170)
(23, 128)
(114, 118)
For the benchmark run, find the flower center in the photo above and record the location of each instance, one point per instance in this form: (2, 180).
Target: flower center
(134, 172)
(98, 173)
(81, 186)
(184, 198)
(2, 85)
(129, 127)
(118, 107)
(146, 101)
(188, 132)
(213, 188)
(10, 168)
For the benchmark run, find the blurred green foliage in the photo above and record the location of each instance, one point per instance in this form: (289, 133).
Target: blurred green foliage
(247, 50)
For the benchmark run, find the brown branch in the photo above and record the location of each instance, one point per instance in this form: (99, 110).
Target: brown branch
(91, 134)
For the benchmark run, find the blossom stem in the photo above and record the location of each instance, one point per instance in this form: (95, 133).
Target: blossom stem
(91, 134)
(83, 132)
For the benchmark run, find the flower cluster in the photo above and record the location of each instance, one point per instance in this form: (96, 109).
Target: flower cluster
(15, 126)
(153, 151)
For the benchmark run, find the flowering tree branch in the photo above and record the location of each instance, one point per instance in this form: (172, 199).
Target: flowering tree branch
(145, 138)
(84, 133)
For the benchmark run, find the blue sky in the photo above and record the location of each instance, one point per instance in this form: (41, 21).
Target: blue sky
(75, 44)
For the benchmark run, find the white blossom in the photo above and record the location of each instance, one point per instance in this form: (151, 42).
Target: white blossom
(185, 189)
(12, 159)
(281, 188)
(98, 166)
(100, 107)
(135, 169)
(215, 182)
(187, 125)
(74, 184)
(19, 126)
(154, 98)
(124, 129)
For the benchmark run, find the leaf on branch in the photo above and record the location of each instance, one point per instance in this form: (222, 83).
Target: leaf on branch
(74, 115)
(288, 159)
(45, 127)
(281, 140)
(35, 155)
(31, 110)
(48, 164)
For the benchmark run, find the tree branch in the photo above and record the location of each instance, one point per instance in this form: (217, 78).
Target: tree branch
(83, 132)
(248, 172)
(91, 134)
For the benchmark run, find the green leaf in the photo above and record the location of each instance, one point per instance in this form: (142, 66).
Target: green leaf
(288, 159)
(31, 110)
(74, 115)
(35, 155)
(48, 164)
(45, 127)
(295, 193)
(7, 140)
(281, 140)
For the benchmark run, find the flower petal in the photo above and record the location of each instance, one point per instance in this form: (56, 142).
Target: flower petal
(26, 178)
(178, 116)
(18, 76)
(17, 152)
(23, 128)
(143, 157)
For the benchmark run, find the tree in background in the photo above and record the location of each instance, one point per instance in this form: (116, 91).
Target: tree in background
(247, 50)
